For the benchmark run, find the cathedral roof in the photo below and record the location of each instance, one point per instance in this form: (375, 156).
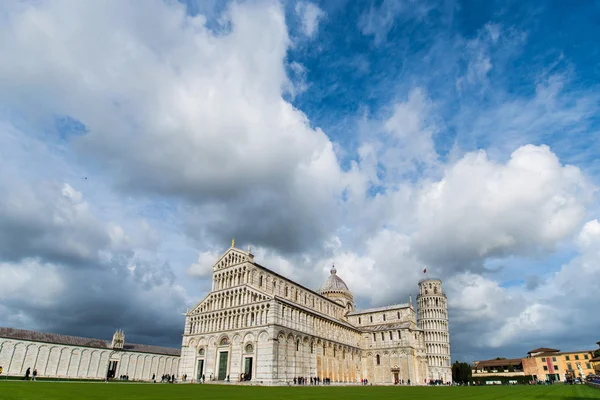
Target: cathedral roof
(334, 283)
(378, 309)
(22, 334)
(388, 327)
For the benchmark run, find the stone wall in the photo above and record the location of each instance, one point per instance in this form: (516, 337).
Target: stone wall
(76, 362)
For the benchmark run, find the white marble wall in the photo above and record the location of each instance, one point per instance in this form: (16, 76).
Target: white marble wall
(236, 344)
(74, 362)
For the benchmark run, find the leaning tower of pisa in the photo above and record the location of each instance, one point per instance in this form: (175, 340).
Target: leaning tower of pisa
(432, 308)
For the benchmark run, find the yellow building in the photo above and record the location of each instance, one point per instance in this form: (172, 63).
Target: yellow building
(554, 365)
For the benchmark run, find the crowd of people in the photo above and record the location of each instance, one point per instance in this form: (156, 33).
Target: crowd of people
(302, 380)
(437, 382)
(165, 378)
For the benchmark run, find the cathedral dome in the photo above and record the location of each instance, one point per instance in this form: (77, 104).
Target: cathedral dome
(334, 283)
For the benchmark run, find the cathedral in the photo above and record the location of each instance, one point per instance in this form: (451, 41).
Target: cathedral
(256, 325)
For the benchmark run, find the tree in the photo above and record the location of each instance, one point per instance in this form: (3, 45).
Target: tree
(461, 372)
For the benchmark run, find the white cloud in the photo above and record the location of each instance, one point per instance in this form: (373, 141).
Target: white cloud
(483, 209)
(501, 317)
(196, 122)
(379, 20)
(31, 282)
(203, 266)
(412, 131)
(310, 15)
(172, 108)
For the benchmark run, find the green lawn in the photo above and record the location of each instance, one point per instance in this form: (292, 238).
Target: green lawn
(116, 391)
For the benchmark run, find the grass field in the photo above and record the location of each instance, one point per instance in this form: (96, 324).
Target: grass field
(117, 391)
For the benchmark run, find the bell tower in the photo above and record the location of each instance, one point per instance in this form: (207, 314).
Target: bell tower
(432, 308)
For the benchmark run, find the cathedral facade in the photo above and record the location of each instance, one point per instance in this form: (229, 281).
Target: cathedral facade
(256, 325)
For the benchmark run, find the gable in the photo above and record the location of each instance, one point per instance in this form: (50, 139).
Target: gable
(204, 306)
(231, 257)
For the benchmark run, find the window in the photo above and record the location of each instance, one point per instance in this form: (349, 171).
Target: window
(298, 345)
(286, 291)
(378, 359)
(545, 368)
(260, 279)
(391, 337)
(371, 318)
(568, 358)
(374, 337)
(556, 367)
(398, 314)
(382, 337)
(543, 359)
(384, 317)
(587, 365)
(586, 356)
(569, 367)
(282, 312)
(359, 320)
(553, 358)
(577, 357)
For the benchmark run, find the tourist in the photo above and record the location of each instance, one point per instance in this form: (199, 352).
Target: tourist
(34, 374)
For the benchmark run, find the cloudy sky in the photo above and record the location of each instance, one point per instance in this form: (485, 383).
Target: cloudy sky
(384, 136)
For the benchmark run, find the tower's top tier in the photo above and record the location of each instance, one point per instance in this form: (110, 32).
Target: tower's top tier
(430, 287)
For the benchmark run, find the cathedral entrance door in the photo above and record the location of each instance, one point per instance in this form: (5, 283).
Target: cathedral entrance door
(396, 377)
(223, 357)
(200, 370)
(248, 368)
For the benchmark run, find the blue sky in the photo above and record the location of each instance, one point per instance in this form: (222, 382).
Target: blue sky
(386, 137)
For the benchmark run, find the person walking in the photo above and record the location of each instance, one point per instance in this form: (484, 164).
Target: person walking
(34, 374)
